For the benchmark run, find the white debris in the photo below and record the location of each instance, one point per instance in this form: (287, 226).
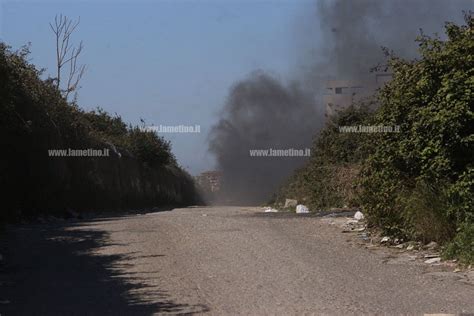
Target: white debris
(359, 216)
(385, 239)
(271, 210)
(204, 215)
(301, 209)
(433, 260)
(432, 245)
(410, 247)
(290, 203)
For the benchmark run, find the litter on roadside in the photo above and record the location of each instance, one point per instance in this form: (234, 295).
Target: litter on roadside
(433, 260)
(358, 216)
(301, 209)
(271, 210)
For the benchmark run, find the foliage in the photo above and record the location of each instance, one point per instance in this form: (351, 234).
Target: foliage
(417, 183)
(150, 148)
(24, 94)
(461, 197)
(462, 245)
(35, 117)
(328, 179)
(146, 146)
(106, 127)
(424, 210)
(431, 99)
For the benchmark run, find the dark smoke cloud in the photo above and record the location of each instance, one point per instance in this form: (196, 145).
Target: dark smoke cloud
(353, 32)
(262, 112)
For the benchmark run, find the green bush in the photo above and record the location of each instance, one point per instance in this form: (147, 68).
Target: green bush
(417, 183)
(329, 177)
(431, 99)
(106, 127)
(149, 147)
(35, 118)
(146, 146)
(461, 198)
(423, 207)
(462, 246)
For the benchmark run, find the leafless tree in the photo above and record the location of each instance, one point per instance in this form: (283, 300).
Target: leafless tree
(66, 53)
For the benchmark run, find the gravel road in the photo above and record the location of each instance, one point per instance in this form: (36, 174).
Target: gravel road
(216, 260)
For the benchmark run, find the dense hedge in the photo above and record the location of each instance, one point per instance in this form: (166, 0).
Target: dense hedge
(329, 178)
(418, 183)
(34, 118)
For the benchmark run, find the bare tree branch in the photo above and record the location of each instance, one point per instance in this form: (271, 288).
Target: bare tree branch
(62, 28)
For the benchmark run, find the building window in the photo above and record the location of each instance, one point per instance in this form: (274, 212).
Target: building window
(338, 90)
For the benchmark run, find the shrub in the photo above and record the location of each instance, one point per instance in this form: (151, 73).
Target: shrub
(35, 118)
(329, 178)
(418, 183)
(424, 209)
(149, 147)
(462, 246)
(431, 99)
(106, 127)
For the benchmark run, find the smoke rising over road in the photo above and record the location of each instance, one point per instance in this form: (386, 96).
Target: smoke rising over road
(261, 112)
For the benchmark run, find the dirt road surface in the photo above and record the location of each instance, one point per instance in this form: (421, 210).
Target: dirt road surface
(219, 260)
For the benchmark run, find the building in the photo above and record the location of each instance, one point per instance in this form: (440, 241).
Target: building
(209, 180)
(340, 94)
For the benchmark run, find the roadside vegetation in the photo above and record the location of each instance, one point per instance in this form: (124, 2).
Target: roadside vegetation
(35, 116)
(418, 183)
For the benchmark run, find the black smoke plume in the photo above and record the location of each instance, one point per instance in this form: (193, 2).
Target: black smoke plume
(261, 112)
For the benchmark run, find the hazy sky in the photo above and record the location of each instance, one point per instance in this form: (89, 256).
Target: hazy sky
(168, 62)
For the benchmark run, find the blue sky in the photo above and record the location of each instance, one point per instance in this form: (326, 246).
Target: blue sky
(169, 62)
